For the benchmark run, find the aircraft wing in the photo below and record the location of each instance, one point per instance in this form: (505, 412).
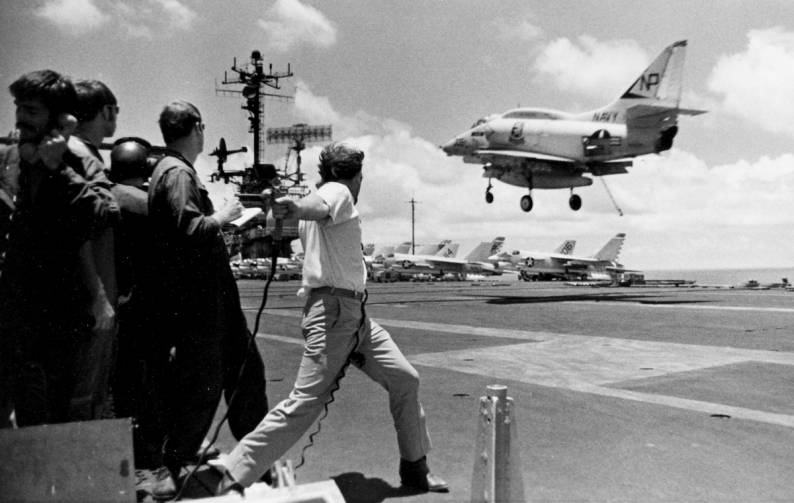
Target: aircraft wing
(522, 154)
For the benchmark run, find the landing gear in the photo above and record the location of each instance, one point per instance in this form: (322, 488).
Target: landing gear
(488, 195)
(575, 202)
(526, 203)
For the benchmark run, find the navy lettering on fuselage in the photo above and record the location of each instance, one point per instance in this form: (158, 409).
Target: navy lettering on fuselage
(605, 116)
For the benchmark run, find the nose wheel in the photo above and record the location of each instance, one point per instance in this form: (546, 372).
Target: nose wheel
(488, 194)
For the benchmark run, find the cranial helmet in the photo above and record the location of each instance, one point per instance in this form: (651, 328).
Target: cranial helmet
(129, 159)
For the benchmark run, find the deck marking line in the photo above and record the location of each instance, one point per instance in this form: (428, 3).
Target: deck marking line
(685, 306)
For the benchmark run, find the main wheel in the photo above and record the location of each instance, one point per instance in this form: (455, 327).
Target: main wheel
(488, 197)
(575, 202)
(526, 203)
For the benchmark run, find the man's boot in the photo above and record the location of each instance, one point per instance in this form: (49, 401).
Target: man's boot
(164, 486)
(416, 474)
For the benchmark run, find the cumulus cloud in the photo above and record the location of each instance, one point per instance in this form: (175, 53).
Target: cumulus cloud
(152, 17)
(312, 108)
(178, 14)
(142, 20)
(73, 16)
(592, 67)
(289, 23)
(756, 84)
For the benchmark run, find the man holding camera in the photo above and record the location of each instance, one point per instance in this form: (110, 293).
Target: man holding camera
(337, 331)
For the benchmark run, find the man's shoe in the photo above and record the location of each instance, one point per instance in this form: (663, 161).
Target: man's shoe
(416, 475)
(164, 485)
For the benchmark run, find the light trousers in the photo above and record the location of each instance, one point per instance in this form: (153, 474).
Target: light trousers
(333, 327)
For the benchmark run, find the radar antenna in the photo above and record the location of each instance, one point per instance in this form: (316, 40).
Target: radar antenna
(297, 135)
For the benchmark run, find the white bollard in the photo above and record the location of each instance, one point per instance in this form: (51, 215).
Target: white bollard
(496, 476)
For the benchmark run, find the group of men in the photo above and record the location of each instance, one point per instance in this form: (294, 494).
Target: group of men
(107, 284)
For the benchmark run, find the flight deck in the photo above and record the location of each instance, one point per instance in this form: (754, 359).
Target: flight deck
(621, 394)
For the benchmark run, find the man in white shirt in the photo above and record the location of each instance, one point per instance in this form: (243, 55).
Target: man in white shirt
(337, 332)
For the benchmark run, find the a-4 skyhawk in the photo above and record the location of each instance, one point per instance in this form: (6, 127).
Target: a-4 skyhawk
(540, 148)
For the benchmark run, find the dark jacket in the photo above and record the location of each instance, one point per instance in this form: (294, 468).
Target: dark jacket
(195, 287)
(55, 213)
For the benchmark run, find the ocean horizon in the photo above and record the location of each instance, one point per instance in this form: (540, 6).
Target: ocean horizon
(735, 276)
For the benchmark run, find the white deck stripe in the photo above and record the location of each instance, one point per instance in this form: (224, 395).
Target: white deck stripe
(685, 306)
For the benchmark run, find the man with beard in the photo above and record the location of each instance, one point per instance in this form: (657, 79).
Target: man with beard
(55, 211)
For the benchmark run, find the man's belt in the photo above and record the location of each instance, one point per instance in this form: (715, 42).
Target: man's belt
(339, 292)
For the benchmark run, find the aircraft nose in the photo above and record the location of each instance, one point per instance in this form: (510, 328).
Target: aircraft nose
(449, 147)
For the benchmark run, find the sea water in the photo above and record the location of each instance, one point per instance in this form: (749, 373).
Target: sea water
(763, 276)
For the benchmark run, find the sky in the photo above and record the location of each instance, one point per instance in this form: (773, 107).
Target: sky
(398, 78)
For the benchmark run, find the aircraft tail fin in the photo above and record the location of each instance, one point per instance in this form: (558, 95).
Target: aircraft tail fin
(658, 86)
(611, 250)
(482, 251)
(496, 245)
(662, 80)
(449, 250)
(566, 248)
(433, 248)
(404, 247)
(383, 252)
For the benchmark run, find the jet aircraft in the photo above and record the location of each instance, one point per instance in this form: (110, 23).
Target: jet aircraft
(540, 148)
(444, 261)
(563, 264)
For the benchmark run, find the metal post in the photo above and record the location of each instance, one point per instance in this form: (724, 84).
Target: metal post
(496, 477)
(501, 465)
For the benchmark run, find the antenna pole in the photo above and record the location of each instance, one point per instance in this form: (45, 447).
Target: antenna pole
(413, 202)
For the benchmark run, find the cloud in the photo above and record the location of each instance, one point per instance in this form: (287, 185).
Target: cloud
(591, 67)
(148, 19)
(289, 23)
(178, 15)
(145, 19)
(313, 109)
(756, 85)
(73, 16)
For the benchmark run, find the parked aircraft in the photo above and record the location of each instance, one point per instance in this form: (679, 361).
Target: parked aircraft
(540, 148)
(543, 265)
(563, 264)
(444, 261)
(426, 261)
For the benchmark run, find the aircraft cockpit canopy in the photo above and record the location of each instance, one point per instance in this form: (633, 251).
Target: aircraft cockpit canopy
(532, 114)
(484, 120)
(478, 122)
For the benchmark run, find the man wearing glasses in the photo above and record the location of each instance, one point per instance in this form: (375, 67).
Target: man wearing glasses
(96, 115)
(195, 302)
